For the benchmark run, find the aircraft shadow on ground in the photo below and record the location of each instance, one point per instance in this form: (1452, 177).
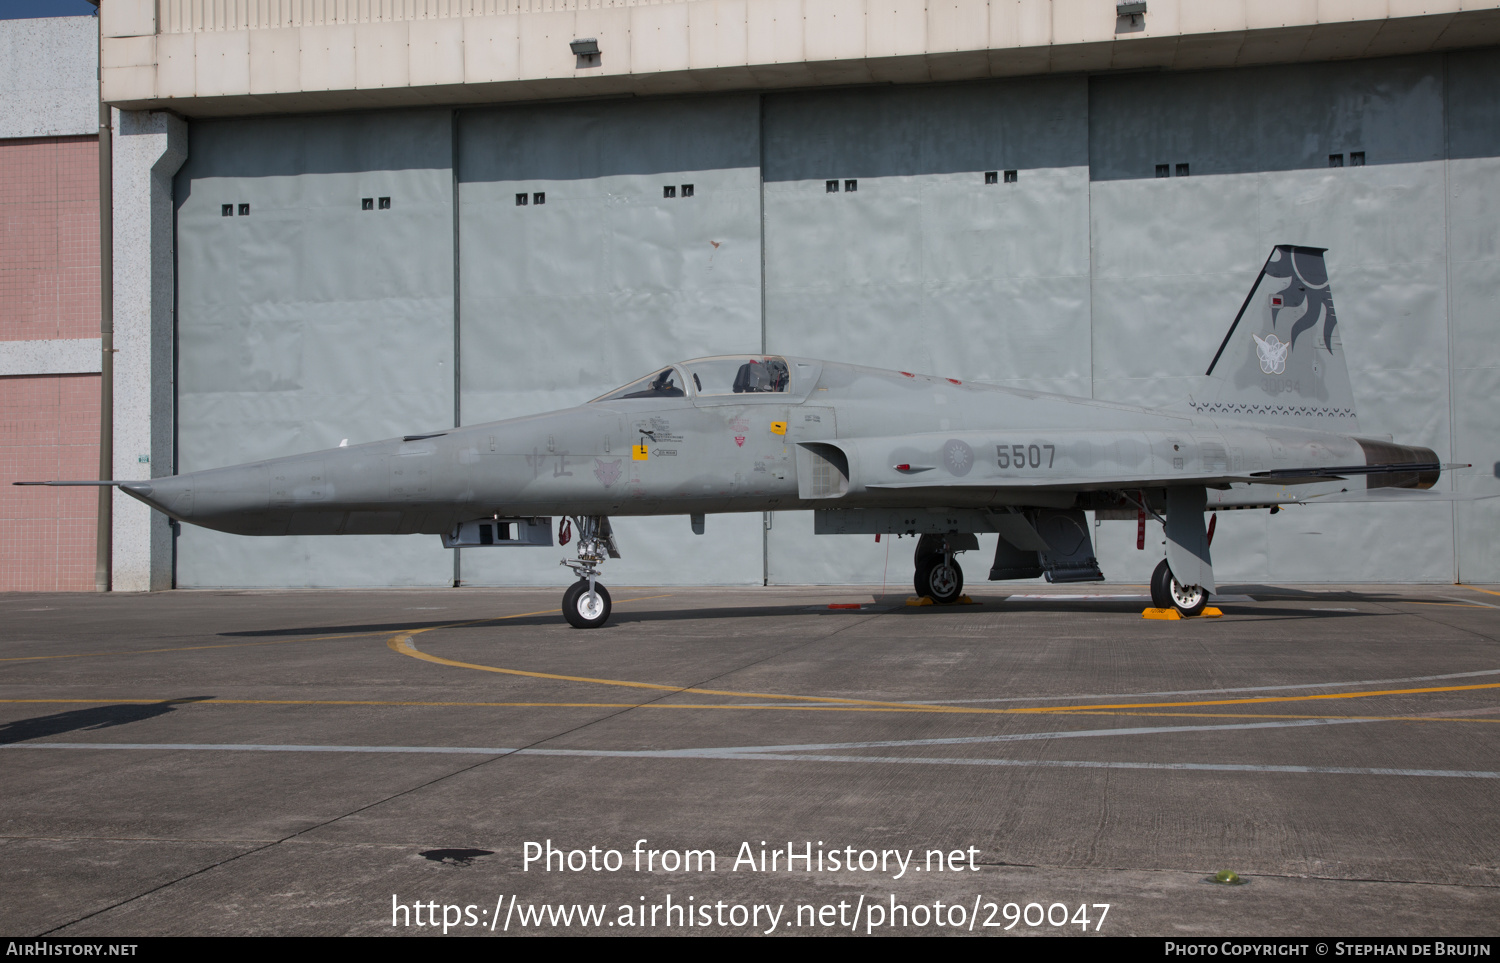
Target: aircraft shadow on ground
(371, 628)
(889, 606)
(80, 720)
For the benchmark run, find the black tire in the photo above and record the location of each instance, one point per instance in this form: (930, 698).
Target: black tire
(1168, 593)
(1161, 586)
(939, 580)
(580, 611)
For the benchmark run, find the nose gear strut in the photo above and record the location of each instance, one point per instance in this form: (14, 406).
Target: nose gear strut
(586, 603)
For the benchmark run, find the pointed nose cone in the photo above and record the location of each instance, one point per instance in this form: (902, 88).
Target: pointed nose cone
(227, 499)
(172, 495)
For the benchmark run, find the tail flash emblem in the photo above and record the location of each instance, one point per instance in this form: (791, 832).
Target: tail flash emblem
(1272, 353)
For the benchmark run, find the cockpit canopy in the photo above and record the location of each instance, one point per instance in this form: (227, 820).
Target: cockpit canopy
(728, 375)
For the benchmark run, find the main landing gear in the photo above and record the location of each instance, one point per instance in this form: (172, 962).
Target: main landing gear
(586, 603)
(938, 574)
(1167, 592)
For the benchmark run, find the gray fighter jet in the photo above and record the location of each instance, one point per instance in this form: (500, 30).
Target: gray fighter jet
(870, 452)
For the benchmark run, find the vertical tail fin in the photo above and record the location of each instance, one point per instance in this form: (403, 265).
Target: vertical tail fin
(1282, 360)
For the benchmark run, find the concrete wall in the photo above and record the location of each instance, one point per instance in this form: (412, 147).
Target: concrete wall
(236, 57)
(1088, 274)
(49, 77)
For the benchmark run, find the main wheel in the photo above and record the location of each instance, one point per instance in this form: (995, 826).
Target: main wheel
(1161, 586)
(939, 579)
(584, 609)
(1167, 592)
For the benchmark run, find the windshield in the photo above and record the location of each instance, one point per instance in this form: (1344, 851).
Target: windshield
(738, 375)
(666, 383)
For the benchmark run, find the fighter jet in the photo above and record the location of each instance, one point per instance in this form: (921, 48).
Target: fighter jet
(869, 452)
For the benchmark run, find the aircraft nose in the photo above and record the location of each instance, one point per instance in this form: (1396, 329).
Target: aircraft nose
(171, 495)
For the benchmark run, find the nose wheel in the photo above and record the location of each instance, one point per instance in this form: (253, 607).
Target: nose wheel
(586, 604)
(1167, 592)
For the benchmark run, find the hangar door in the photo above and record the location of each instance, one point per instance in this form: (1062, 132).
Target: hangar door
(598, 242)
(937, 229)
(1195, 177)
(315, 273)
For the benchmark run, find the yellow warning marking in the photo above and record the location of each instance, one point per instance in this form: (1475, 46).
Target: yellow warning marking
(638, 453)
(778, 427)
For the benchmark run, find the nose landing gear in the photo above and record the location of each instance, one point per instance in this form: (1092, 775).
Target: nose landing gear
(586, 603)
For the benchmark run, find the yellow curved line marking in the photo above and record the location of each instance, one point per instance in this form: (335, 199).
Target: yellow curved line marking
(401, 642)
(696, 705)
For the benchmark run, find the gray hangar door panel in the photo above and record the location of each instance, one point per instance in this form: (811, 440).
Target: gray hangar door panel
(1174, 257)
(928, 264)
(306, 318)
(599, 241)
(1473, 80)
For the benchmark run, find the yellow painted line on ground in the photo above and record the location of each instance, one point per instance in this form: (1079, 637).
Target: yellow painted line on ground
(695, 705)
(402, 643)
(1285, 715)
(1456, 605)
(1485, 591)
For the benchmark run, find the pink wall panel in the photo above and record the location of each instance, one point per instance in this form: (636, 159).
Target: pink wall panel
(49, 238)
(49, 428)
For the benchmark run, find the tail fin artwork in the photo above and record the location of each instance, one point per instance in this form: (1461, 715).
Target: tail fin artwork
(1282, 361)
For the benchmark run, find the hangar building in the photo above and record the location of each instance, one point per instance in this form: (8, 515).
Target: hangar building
(353, 219)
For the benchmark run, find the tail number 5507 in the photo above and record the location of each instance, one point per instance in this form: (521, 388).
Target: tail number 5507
(1025, 456)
